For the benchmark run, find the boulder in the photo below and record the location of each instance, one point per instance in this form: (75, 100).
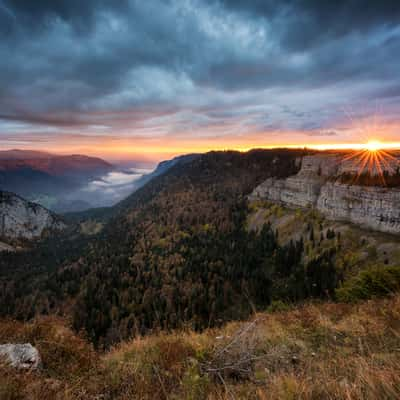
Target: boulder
(21, 356)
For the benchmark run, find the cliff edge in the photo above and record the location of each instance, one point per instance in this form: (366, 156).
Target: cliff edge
(318, 184)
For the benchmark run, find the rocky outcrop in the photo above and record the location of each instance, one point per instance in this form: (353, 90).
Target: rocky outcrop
(317, 185)
(22, 219)
(6, 247)
(374, 207)
(302, 189)
(21, 356)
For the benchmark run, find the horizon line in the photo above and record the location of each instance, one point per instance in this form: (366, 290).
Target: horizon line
(177, 152)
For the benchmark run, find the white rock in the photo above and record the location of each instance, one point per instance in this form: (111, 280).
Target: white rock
(22, 219)
(21, 356)
(316, 185)
(373, 207)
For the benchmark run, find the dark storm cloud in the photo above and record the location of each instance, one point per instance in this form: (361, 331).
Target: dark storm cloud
(39, 14)
(315, 43)
(188, 65)
(308, 22)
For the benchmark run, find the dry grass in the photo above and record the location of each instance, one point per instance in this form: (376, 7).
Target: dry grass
(315, 351)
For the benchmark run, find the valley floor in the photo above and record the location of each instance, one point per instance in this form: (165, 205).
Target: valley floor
(313, 351)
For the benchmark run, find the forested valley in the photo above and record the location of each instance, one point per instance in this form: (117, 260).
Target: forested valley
(175, 254)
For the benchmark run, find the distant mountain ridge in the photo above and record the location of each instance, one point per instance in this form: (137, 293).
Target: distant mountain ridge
(56, 165)
(71, 183)
(49, 179)
(104, 213)
(17, 154)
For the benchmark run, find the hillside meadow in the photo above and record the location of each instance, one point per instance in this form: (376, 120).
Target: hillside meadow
(311, 351)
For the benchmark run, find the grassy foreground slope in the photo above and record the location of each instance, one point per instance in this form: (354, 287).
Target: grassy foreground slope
(312, 351)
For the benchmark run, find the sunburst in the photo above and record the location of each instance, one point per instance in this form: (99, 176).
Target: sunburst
(374, 146)
(373, 160)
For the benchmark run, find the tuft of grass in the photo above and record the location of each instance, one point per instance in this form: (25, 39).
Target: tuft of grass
(377, 281)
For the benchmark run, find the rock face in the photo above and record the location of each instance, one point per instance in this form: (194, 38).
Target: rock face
(22, 219)
(21, 356)
(373, 207)
(317, 185)
(6, 247)
(302, 189)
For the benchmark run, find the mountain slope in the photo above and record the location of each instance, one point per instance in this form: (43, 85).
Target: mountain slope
(103, 214)
(172, 250)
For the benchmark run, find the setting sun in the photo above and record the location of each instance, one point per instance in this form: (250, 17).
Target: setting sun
(374, 145)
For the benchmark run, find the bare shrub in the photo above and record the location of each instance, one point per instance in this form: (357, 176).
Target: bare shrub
(235, 357)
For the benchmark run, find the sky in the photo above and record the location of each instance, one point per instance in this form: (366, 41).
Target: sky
(155, 78)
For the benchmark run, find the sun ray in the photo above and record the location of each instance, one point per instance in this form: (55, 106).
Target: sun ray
(372, 161)
(353, 155)
(388, 155)
(361, 163)
(380, 171)
(382, 158)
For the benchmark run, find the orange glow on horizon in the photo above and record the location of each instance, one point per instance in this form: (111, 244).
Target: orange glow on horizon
(139, 144)
(158, 151)
(157, 148)
(377, 145)
(164, 152)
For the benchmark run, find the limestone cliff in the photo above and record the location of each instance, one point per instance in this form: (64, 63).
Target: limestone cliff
(22, 219)
(317, 184)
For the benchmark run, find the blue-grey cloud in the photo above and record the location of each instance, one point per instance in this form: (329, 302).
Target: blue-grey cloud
(163, 67)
